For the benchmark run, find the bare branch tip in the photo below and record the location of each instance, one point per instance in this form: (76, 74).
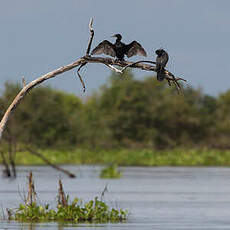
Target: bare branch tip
(91, 24)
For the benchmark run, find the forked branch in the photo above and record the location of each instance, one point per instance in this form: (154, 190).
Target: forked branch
(170, 77)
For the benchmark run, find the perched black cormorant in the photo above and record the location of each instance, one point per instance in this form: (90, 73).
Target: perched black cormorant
(119, 49)
(161, 61)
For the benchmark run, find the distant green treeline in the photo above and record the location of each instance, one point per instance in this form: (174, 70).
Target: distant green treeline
(125, 113)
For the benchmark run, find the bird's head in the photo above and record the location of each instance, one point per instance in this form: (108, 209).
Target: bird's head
(159, 52)
(118, 36)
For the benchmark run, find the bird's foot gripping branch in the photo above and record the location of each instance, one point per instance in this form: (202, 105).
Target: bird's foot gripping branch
(81, 62)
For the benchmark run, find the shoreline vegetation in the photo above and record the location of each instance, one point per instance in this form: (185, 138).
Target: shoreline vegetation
(128, 157)
(128, 122)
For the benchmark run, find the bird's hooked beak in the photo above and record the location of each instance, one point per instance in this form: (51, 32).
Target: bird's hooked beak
(113, 36)
(117, 36)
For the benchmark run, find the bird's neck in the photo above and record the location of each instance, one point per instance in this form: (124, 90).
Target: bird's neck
(118, 40)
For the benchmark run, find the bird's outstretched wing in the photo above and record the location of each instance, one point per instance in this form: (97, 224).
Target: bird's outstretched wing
(135, 48)
(105, 47)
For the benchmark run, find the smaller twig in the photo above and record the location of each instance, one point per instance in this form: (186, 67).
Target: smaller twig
(169, 83)
(175, 81)
(177, 87)
(31, 196)
(91, 37)
(130, 65)
(104, 191)
(62, 200)
(6, 171)
(87, 52)
(78, 73)
(9, 213)
(172, 77)
(114, 69)
(23, 81)
(34, 192)
(180, 79)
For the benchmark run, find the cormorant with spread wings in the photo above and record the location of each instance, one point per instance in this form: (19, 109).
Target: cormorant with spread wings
(119, 49)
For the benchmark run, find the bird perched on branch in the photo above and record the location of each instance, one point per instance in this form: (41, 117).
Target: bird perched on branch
(161, 61)
(119, 49)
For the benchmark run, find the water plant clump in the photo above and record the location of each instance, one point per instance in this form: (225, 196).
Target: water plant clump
(76, 211)
(111, 172)
(92, 211)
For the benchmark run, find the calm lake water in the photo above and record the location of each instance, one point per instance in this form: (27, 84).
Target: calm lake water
(158, 198)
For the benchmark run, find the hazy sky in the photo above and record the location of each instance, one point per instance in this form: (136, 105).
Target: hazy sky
(39, 36)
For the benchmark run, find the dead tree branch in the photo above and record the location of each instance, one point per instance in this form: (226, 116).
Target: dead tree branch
(31, 85)
(133, 64)
(170, 77)
(62, 199)
(79, 62)
(114, 69)
(78, 73)
(87, 52)
(31, 196)
(6, 171)
(91, 37)
(49, 163)
(54, 73)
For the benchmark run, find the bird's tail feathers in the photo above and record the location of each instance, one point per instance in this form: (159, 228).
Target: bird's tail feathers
(161, 74)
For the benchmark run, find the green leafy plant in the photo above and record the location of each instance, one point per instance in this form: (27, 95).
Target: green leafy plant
(92, 211)
(110, 172)
(76, 211)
